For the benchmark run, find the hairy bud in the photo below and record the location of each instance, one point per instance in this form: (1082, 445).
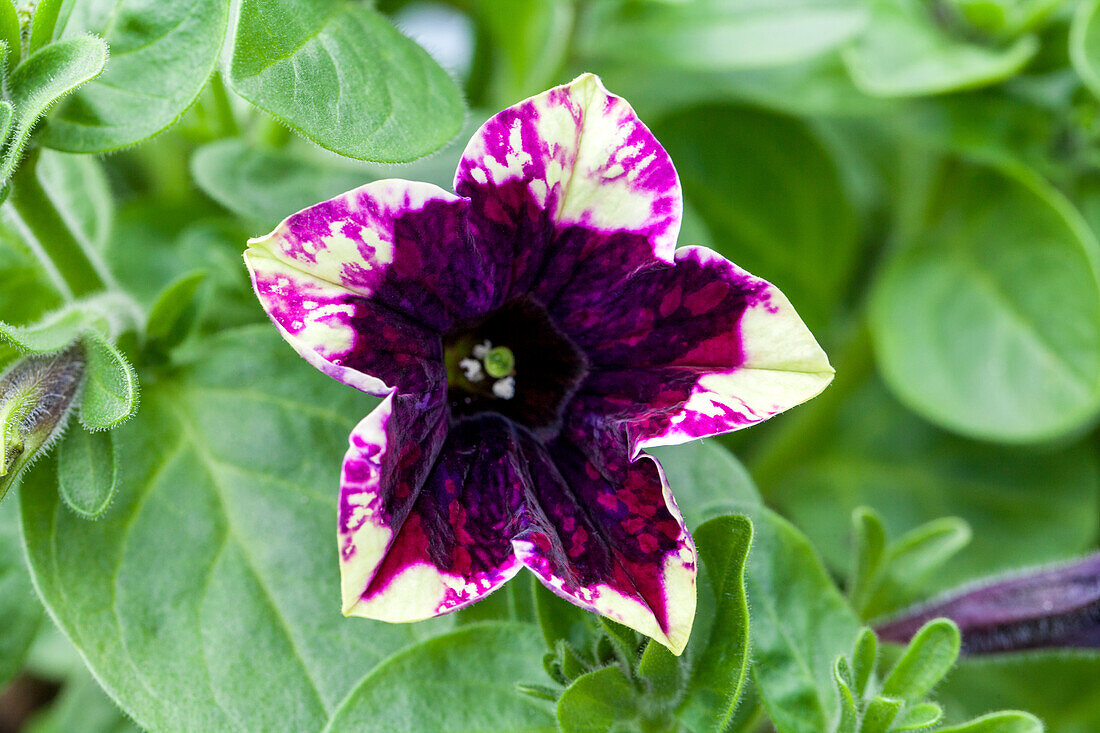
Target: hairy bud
(36, 396)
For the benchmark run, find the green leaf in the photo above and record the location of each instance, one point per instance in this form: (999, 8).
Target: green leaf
(707, 480)
(864, 657)
(161, 56)
(919, 716)
(869, 545)
(878, 454)
(530, 38)
(880, 713)
(727, 34)
(42, 79)
(83, 706)
(992, 330)
(343, 76)
(661, 670)
(597, 702)
(218, 548)
(87, 472)
(42, 25)
(10, 34)
(1052, 684)
(1009, 721)
(1084, 44)
(849, 714)
(19, 607)
(799, 624)
(462, 681)
(912, 559)
(78, 186)
(110, 395)
(772, 199)
(269, 185)
(167, 317)
(927, 660)
(720, 657)
(905, 53)
(561, 620)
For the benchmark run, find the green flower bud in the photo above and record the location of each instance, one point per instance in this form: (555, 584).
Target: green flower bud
(36, 396)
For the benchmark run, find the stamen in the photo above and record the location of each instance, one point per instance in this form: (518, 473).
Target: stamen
(482, 349)
(505, 388)
(471, 368)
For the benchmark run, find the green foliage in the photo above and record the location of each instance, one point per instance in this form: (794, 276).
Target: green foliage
(727, 34)
(1027, 296)
(343, 76)
(874, 453)
(237, 566)
(770, 196)
(450, 683)
(884, 576)
(906, 53)
(87, 472)
(268, 185)
(20, 609)
(161, 56)
(896, 704)
(41, 80)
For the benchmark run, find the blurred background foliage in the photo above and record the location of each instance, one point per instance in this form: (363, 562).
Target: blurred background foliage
(920, 177)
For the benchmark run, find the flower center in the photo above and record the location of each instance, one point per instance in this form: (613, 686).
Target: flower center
(514, 362)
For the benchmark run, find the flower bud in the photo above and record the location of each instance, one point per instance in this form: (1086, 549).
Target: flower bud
(1047, 607)
(36, 396)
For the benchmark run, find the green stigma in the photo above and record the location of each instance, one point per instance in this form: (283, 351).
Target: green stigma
(499, 362)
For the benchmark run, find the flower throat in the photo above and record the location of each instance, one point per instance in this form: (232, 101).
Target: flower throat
(514, 362)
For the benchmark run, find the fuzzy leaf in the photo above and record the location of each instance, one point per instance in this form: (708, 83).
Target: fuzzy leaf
(161, 56)
(597, 702)
(450, 684)
(87, 472)
(928, 658)
(110, 394)
(343, 76)
(43, 78)
(720, 665)
(1025, 297)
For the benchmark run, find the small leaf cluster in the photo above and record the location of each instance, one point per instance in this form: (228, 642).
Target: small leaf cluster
(896, 703)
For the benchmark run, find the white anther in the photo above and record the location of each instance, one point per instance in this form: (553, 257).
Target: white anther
(505, 388)
(472, 369)
(482, 350)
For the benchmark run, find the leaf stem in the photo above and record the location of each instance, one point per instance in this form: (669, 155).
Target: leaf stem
(227, 121)
(80, 268)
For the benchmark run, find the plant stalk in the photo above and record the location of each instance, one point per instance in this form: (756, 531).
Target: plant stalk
(81, 269)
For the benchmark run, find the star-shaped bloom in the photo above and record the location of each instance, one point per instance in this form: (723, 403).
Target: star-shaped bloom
(530, 334)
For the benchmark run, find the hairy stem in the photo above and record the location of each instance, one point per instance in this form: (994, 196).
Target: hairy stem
(82, 271)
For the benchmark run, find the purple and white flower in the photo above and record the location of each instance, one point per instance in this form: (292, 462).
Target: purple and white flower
(530, 334)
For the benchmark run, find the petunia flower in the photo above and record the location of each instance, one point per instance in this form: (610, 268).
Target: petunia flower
(530, 334)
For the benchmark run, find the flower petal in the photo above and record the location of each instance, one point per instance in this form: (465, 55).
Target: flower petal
(573, 156)
(346, 336)
(426, 517)
(403, 245)
(695, 350)
(607, 536)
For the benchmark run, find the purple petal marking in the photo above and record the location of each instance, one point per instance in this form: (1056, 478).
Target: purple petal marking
(575, 155)
(607, 536)
(346, 336)
(1042, 608)
(435, 530)
(402, 244)
(694, 350)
